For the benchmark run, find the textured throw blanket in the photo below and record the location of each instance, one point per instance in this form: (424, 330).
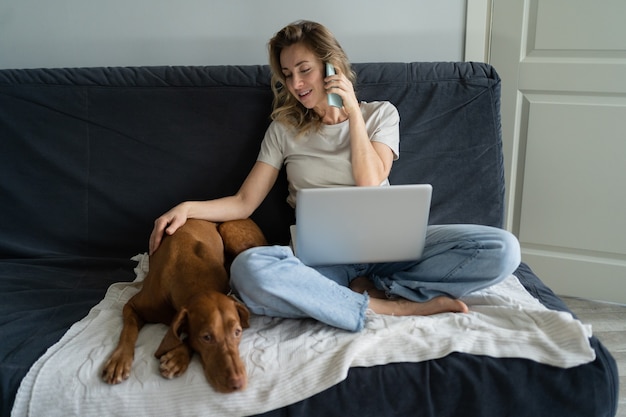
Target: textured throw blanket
(287, 360)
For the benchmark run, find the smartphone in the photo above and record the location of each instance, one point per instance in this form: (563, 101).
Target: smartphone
(333, 99)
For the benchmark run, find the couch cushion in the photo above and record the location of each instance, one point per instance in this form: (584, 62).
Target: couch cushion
(89, 157)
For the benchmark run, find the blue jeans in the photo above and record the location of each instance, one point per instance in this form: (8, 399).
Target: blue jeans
(457, 260)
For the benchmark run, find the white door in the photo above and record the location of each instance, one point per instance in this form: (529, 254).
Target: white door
(563, 70)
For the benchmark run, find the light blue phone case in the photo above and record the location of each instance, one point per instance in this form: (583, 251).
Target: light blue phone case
(333, 99)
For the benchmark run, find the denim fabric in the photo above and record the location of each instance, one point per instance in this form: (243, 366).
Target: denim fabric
(271, 281)
(457, 260)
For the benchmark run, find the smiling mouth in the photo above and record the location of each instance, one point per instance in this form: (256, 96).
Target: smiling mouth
(304, 94)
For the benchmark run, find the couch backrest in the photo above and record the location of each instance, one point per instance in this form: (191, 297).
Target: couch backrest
(89, 157)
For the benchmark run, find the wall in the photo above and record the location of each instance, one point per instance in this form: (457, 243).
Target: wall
(74, 33)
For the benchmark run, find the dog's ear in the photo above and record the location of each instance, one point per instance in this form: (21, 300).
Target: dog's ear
(173, 337)
(244, 315)
(179, 324)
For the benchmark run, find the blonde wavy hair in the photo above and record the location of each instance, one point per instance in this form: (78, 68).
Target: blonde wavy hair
(317, 38)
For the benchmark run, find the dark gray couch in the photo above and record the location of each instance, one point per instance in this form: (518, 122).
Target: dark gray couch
(90, 157)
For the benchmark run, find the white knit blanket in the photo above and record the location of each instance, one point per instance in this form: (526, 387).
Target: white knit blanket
(286, 360)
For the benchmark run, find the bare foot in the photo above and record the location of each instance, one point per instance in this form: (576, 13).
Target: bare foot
(403, 307)
(381, 304)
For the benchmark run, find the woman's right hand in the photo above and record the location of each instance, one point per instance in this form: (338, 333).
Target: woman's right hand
(168, 223)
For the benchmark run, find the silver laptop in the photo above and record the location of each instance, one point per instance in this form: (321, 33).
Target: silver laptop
(346, 225)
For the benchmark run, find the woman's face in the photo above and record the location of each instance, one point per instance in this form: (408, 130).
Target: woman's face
(304, 75)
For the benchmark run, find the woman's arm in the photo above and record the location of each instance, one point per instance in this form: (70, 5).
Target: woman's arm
(251, 194)
(371, 161)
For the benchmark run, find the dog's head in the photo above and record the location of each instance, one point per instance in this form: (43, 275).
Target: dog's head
(214, 324)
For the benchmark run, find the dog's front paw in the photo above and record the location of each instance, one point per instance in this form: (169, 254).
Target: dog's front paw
(175, 362)
(117, 368)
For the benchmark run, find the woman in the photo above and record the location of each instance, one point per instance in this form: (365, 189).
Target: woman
(324, 146)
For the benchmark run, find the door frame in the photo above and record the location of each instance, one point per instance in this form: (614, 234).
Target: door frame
(477, 30)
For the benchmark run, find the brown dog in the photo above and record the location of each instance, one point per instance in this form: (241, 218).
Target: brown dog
(186, 288)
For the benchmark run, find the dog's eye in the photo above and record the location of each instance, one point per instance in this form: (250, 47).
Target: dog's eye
(238, 332)
(207, 337)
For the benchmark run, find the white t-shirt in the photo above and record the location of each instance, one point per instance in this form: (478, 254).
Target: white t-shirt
(322, 158)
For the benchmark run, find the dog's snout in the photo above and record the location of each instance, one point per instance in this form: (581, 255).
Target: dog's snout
(230, 375)
(237, 376)
(238, 382)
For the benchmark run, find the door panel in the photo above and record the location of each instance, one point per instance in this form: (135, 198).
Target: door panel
(573, 197)
(563, 66)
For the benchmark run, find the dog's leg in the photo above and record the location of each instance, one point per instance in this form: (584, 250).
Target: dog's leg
(174, 353)
(239, 235)
(117, 368)
(175, 362)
